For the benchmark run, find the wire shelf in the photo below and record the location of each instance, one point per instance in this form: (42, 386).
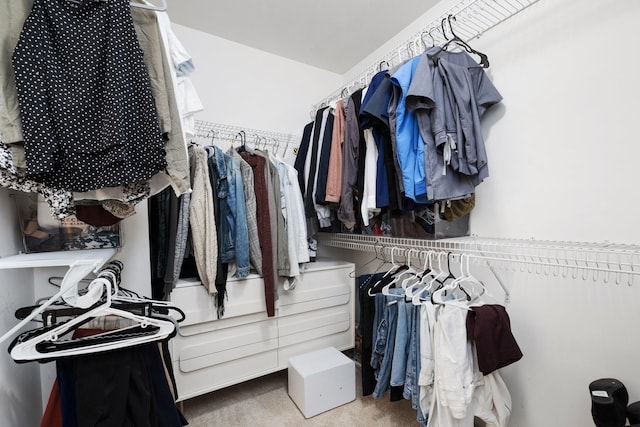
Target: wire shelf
(608, 262)
(211, 132)
(473, 18)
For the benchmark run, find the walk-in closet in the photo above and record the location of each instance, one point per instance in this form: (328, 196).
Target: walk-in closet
(420, 213)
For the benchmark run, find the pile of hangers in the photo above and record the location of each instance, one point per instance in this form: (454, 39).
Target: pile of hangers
(132, 320)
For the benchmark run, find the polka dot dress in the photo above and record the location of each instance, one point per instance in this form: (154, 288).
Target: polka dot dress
(86, 106)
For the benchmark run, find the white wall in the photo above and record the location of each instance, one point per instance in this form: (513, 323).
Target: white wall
(562, 157)
(243, 86)
(20, 392)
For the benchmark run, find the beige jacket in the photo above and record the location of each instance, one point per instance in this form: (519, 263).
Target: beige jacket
(202, 219)
(13, 13)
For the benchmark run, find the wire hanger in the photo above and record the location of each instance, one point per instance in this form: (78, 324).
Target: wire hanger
(409, 50)
(243, 140)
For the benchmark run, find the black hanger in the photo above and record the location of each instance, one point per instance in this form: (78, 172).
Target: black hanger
(484, 59)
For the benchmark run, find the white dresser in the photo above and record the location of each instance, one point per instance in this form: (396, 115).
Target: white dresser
(210, 353)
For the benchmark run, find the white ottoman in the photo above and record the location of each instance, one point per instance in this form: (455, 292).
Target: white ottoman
(321, 380)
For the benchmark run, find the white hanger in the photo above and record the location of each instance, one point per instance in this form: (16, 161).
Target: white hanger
(414, 273)
(410, 270)
(468, 278)
(409, 290)
(440, 274)
(27, 350)
(437, 296)
(394, 268)
(68, 292)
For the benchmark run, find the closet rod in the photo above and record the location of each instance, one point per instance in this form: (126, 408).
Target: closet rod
(472, 19)
(216, 131)
(584, 260)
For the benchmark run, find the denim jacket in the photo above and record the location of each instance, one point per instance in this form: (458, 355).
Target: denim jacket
(234, 244)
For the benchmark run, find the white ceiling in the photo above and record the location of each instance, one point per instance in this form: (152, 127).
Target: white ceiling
(330, 34)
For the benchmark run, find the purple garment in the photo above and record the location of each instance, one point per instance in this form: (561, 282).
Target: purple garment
(489, 327)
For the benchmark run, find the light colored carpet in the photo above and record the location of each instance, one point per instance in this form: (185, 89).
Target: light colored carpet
(265, 402)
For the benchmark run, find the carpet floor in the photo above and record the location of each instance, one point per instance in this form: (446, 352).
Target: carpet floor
(264, 402)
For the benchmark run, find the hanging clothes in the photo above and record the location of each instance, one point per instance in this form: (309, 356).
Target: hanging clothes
(233, 217)
(12, 17)
(294, 219)
(352, 152)
(89, 131)
(258, 164)
(202, 219)
(255, 255)
(409, 143)
(334, 172)
(318, 184)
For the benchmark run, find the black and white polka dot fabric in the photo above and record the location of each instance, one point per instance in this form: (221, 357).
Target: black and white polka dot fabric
(87, 111)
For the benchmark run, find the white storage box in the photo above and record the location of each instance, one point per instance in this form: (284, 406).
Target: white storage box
(321, 380)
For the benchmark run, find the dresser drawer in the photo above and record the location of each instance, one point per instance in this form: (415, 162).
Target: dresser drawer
(315, 324)
(244, 297)
(219, 346)
(324, 284)
(195, 383)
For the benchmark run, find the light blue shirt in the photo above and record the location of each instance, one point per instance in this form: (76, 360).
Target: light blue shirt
(409, 142)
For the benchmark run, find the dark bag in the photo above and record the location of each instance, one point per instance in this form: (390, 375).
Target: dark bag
(609, 400)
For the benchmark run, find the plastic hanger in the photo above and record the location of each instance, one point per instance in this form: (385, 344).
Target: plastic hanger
(446, 294)
(468, 279)
(427, 271)
(437, 275)
(396, 279)
(46, 344)
(415, 273)
(68, 292)
(484, 59)
(395, 269)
